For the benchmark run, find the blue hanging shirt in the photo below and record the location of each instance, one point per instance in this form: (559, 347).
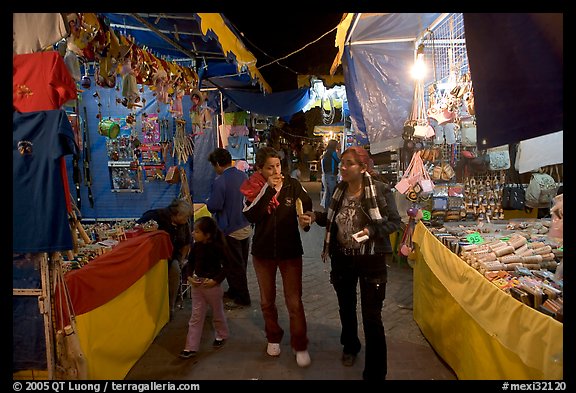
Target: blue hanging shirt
(39, 214)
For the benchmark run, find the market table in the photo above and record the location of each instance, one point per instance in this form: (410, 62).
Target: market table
(121, 303)
(479, 330)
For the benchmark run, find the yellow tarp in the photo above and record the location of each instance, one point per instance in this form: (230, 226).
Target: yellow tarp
(328, 130)
(340, 40)
(201, 210)
(231, 44)
(115, 335)
(479, 330)
(327, 80)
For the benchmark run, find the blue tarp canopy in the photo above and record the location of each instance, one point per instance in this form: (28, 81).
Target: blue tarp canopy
(378, 52)
(515, 59)
(280, 104)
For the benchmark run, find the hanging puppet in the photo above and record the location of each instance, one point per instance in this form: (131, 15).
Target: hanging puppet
(200, 113)
(129, 86)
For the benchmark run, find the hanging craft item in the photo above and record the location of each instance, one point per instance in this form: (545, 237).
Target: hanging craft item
(183, 145)
(184, 188)
(150, 128)
(468, 131)
(85, 82)
(173, 175)
(129, 87)
(422, 128)
(109, 128)
(406, 244)
(176, 103)
(87, 157)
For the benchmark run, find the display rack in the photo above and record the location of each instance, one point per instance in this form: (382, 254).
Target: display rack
(445, 50)
(38, 262)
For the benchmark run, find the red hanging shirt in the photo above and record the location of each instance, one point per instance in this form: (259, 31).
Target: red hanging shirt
(41, 82)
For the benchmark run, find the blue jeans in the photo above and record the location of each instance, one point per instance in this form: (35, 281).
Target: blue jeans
(329, 182)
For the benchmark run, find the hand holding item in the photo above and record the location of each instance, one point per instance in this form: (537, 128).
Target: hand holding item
(209, 283)
(275, 181)
(305, 220)
(361, 236)
(195, 281)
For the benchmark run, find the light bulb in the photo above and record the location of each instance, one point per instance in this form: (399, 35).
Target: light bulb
(419, 67)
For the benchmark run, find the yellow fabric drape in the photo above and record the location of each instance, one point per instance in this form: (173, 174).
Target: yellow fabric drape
(479, 330)
(341, 33)
(115, 335)
(231, 44)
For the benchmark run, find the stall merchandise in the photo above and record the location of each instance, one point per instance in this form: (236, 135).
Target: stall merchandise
(517, 257)
(479, 329)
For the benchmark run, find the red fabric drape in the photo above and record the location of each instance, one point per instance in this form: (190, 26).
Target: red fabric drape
(110, 274)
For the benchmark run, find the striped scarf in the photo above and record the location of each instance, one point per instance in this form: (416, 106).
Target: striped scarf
(369, 200)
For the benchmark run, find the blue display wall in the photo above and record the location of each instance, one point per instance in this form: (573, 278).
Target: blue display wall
(108, 202)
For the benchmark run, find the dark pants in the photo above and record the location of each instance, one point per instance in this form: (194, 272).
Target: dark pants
(236, 270)
(346, 272)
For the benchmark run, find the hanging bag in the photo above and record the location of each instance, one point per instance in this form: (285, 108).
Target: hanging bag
(540, 191)
(468, 132)
(415, 179)
(499, 158)
(513, 196)
(70, 360)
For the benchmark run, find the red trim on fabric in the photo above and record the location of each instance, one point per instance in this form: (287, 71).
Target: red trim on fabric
(105, 277)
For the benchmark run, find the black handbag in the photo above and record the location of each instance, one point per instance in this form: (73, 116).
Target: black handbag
(513, 196)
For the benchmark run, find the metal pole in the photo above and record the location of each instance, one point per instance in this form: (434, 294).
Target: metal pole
(48, 322)
(164, 36)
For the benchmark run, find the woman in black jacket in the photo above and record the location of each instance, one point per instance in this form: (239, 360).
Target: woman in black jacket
(271, 200)
(359, 220)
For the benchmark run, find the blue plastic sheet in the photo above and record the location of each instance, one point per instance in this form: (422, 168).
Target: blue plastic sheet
(379, 91)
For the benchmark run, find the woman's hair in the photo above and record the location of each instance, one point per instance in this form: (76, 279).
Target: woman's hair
(263, 154)
(363, 157)
(181, 206)
(332, 144)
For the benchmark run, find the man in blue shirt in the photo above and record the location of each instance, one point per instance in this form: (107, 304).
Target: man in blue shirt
(330, 161)
(226, 203)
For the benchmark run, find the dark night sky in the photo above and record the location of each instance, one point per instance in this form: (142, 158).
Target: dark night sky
(283, 33)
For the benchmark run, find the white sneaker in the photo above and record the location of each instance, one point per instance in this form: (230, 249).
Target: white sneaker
(303, 358)
(273, 349)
